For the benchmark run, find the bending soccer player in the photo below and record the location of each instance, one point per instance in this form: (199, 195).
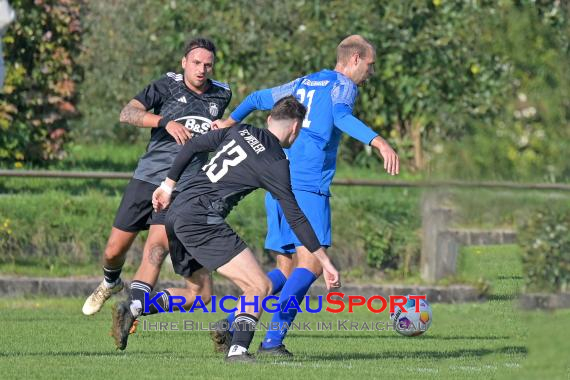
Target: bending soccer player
(183, 105)
(329, 96)
(245, 158)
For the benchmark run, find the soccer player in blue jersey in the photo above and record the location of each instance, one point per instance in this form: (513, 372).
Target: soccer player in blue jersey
(329, 96)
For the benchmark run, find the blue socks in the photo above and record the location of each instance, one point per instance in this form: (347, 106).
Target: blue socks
(277, 278)
(297, 285)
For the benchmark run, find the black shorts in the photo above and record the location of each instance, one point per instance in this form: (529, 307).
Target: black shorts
(198, 241)
(135, 212)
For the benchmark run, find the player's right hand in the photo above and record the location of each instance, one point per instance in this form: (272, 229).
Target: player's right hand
(180, 133)
(160, 199)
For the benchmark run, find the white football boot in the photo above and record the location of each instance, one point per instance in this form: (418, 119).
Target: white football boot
(95, 301)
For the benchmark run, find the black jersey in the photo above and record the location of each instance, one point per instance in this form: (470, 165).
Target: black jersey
(244, 158)
(172, 99)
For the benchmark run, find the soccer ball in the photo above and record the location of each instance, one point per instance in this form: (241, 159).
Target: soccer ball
(412, 323)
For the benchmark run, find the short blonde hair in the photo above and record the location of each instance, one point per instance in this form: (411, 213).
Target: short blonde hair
(351, 45)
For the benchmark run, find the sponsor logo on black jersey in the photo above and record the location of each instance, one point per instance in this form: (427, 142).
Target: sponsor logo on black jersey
(196, 124)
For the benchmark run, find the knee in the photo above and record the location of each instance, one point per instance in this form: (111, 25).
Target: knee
(313, 266)
(261, 288)
(286, 267)
(114, 249)
(264, 287)
(317, 271)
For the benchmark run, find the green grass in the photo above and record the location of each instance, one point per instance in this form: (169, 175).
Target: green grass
(42, 269)
(485, 208)
(498, 266)
(49, 338)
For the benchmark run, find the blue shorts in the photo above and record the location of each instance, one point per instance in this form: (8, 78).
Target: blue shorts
(280, 236)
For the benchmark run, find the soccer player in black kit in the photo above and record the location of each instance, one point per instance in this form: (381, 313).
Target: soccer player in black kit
(183, 105)
(244, 158)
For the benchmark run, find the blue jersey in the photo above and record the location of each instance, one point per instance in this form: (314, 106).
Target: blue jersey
(329, 97)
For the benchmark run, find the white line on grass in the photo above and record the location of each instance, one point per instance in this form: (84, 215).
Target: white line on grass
(314, 365)
(422, 370)
(473, 368)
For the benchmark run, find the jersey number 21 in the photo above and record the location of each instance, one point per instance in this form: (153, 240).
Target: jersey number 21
(303, 95)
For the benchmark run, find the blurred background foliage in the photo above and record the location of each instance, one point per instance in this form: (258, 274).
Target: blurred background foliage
(545, 241)
(464, 89)
(42, 76)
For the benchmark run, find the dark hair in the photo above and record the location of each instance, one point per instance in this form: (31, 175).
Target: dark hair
(288, 108)
(200, 42)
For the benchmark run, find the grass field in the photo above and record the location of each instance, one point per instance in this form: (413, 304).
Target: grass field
(49, 338)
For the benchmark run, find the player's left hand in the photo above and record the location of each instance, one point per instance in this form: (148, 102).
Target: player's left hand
(160, 199)
(390, 157)
(331, 277)
(330, 273)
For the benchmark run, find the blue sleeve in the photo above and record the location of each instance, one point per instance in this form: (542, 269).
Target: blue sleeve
(258, 100)
(346, 122)
(344, 92)
(263, 100)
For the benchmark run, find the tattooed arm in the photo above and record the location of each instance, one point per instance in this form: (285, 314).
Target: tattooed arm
(134, 113)
(153, 97)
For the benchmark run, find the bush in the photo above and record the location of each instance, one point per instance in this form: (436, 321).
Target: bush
(41, 80)
(373, 229)
(123, 50)
(376, 228)
(389, 230)
(55, 227)
(545, 240)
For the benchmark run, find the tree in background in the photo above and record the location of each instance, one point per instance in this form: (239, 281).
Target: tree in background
(123, 49)
(471, 89)
(432, 72)
(42, 75)
(529, 139)
(434, 75)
